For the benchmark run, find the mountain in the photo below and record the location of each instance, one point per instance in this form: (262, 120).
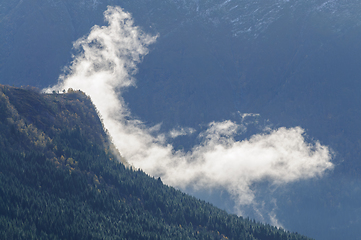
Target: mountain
(61, 179)
(295, 63)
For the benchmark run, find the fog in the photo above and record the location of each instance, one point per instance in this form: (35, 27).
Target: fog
(105, 67)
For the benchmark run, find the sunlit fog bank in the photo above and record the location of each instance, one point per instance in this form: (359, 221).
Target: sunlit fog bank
(104, 68)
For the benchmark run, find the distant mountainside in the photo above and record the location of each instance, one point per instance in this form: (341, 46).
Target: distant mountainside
(293, 62)
(60, 179)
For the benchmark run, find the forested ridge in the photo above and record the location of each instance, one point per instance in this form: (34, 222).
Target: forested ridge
(60, 178)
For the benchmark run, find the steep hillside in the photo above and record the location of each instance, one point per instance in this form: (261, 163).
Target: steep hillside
(59, 179)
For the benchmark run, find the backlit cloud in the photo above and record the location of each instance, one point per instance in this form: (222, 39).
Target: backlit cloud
(105, 66)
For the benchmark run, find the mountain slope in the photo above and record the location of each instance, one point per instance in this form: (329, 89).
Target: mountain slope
(60, 179)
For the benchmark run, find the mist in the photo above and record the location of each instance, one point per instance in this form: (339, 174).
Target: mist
(104, 68)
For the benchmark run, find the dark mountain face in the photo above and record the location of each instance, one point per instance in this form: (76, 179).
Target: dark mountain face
(297, 66)
(296, 63)
(61, 179)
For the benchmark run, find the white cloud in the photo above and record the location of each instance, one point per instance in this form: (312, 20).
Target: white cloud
(281, 156)
(105, 67)
(176, 132)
